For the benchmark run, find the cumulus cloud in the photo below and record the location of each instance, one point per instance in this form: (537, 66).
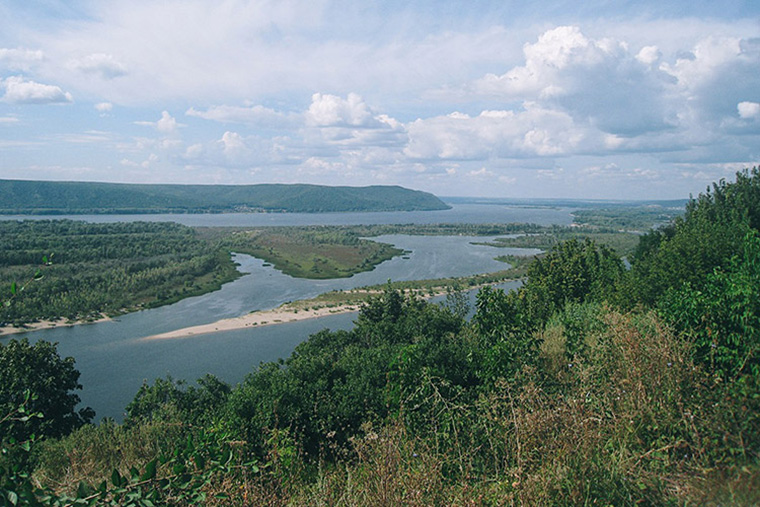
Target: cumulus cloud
(536, 131)
(20, 91)
(350, 122)
(333, 111)
(716, 75)
(648, 55)
(256, 115)
(20, 59)
(235, 151)
(596, 81)
(103, 107)
(748, 110)
(100, 64)
(166, 125)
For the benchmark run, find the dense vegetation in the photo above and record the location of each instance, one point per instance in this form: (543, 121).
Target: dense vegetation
(97, 269)
(49, 197)
(312, 252)
(591, 385)
(629, 218)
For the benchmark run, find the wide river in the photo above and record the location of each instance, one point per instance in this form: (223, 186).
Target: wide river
(115, 359)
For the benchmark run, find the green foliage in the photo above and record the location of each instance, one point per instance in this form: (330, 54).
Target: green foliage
(312, 252)
(103, 268)
(707, 237)
(335, 381)
(170, 400)
(630, 218)
(38, 369)
(723, 318)
(572, 272)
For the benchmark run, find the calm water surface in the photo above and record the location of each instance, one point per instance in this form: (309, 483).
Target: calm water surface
(115, 359)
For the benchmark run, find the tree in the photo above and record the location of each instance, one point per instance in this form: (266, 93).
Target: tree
(707, 237)
(39, 369)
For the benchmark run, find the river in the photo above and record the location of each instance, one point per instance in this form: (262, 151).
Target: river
(115, 359)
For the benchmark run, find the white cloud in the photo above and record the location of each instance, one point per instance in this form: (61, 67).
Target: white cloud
(716, 75)
(536, 131)
(596, 81)
(555, 50)
(252, 115)
(349, 123)
(748, 110)
(103, 107)
(20, 91)
(166, 125)
(8, 119)
(481, 173)
(20, 59)
(100, 64)
(333, 111)
(648, 55)
(700, 64)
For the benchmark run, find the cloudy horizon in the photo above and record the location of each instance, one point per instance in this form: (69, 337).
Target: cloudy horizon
(604, 100)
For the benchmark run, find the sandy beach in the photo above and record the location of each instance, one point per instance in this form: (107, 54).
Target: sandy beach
(279, 315)
(45, 324)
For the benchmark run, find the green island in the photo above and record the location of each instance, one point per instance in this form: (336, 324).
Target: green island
(594, 383)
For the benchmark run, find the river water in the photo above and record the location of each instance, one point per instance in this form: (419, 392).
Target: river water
(115, 359)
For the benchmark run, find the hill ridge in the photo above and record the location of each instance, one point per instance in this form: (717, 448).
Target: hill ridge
(27, 197)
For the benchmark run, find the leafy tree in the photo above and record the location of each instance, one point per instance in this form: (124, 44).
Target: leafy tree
(574, 271)
(706, 237)
(169, 399)
(723, 317)
(51, 379)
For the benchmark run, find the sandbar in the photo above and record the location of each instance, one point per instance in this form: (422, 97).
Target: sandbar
(279, 315)
(46, 324)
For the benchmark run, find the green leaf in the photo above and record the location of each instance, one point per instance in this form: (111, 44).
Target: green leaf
(116, 478)
(12, 497)
(13, 288)
(150, 471)
(83, 490)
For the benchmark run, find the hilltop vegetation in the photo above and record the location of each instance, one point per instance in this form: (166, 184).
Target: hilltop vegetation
(49, 197)
(591, 385)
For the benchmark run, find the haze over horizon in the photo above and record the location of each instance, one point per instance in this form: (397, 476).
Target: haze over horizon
(549, 99)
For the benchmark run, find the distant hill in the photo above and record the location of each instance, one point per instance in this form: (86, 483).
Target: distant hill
(53, 197)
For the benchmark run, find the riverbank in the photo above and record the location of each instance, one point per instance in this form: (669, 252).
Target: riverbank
(46, 324)
(330, 303)
(279, 315)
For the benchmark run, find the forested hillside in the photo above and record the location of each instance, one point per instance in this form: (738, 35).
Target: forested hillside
(54, 197)
(591, 385)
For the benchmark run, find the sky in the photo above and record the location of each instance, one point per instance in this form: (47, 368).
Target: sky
(600, 99)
